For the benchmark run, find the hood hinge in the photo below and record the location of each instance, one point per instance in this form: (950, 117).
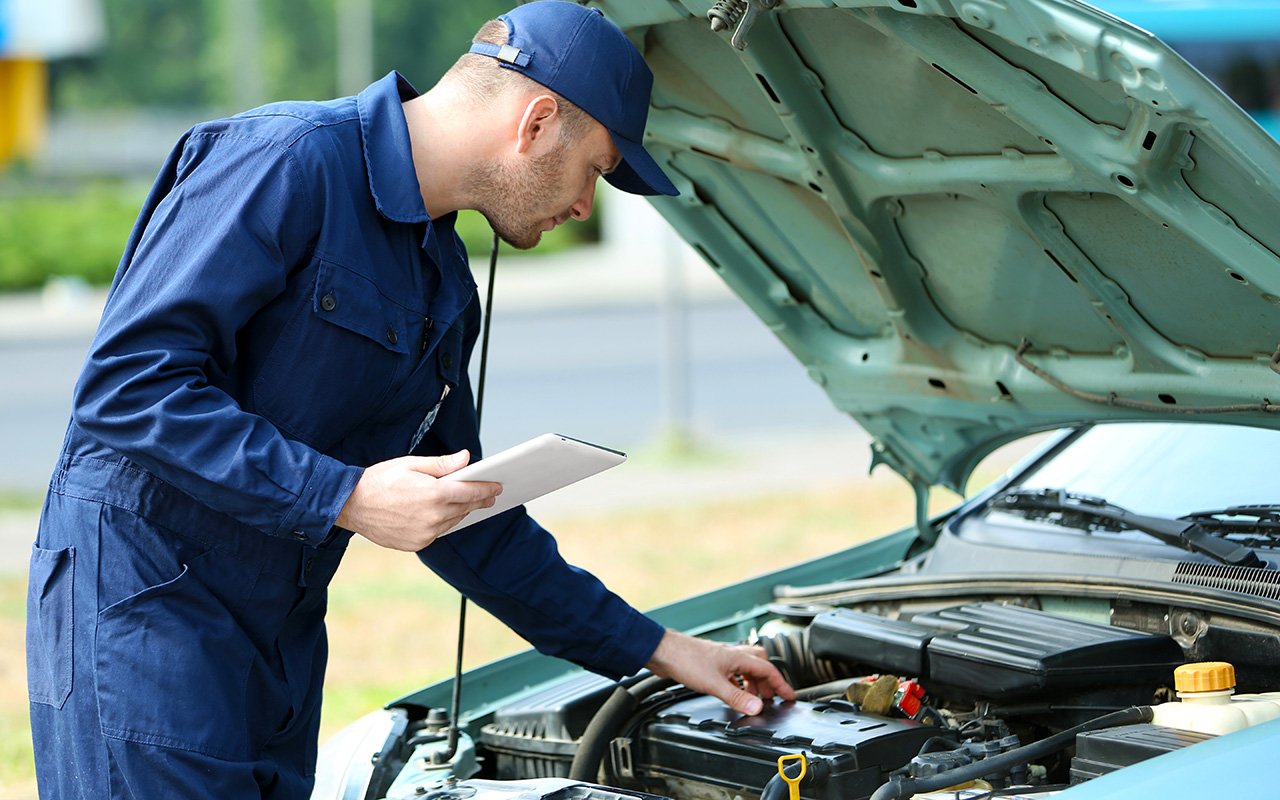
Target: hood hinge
(727, 13)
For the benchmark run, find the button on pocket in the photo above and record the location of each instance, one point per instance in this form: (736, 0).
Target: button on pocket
(335, 359)
(49, 625)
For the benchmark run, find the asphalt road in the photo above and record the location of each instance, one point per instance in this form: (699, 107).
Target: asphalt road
(591, 374)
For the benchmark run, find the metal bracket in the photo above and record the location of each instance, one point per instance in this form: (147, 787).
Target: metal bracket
(726, 14)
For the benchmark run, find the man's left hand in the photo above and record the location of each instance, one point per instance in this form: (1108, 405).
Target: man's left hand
(739, 675)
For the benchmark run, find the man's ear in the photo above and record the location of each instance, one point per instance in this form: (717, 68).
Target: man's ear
(538, 125)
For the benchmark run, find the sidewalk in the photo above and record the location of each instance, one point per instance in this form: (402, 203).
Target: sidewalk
(616, 276)
(594, 276)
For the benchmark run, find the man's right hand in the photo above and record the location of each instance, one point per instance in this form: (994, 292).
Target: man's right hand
(401, 504)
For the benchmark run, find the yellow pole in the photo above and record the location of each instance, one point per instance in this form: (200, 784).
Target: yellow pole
(24, 108)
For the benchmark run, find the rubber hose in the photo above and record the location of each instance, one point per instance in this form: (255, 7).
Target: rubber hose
(604, 725)
(775, 789)
(790, 653)
(817, 770)
(899, 787)
(825, 690)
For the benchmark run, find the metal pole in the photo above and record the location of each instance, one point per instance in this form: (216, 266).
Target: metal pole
(677, 429)
(355, 44)
(243, 23)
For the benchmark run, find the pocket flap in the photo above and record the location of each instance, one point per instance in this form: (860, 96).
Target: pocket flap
(353, 302)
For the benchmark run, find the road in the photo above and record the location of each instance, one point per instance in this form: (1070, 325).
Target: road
(590, 373)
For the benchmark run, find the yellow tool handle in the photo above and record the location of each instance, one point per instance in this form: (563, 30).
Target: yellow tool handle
(793, 784)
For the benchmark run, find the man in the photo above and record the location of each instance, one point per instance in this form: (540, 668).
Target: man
(293, 313)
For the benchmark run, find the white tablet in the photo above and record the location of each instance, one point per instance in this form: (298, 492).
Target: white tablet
(534, 468)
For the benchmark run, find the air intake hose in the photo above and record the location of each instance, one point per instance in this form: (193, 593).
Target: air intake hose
(605, 724)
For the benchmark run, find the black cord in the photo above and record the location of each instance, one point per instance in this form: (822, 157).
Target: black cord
(484, 334)
(903, 787)
(455, 710)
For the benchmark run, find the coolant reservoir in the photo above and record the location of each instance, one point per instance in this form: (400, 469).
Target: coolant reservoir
(1206, 703)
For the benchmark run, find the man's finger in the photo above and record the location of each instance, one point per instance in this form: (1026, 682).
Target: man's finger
(438, 466)
(743, 702)
(765, 674)
(469, 493)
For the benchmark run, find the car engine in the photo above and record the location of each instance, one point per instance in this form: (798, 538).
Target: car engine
(884, 698)
(924, 699)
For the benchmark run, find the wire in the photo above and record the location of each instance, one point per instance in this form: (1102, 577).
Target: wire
(1112, 399)
(455, 705)
(484, 335)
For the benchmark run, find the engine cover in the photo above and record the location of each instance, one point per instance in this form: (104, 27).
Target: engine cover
(702, 740)
(991, 650)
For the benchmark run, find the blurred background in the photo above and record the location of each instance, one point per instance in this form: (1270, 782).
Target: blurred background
(611, 331)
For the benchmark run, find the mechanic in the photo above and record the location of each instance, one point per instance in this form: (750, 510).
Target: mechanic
(293, 314)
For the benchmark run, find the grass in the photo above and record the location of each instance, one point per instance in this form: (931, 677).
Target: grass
(648, 556)
(392, 623)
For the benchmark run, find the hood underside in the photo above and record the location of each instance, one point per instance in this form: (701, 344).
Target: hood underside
(972, 220)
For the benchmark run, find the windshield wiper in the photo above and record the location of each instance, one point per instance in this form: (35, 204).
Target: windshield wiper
(1197, 533)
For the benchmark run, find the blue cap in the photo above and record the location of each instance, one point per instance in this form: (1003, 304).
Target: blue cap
(577, 53)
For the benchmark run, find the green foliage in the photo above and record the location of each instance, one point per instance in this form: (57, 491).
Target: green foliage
(79, 233)
(182, 53)
(423, 39)
(82, 232)
(157, 53)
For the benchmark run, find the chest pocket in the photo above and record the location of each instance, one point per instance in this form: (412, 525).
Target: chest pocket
(343, 351)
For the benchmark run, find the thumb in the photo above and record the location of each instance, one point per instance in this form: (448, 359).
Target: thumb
(744, 702)
(439, 466)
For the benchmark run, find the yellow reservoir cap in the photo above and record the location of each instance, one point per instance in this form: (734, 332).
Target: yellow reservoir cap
(1207, 676)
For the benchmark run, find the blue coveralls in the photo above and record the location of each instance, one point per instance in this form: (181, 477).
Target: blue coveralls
(285, 313)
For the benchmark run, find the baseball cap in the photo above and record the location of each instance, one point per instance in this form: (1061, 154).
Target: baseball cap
(577, 53)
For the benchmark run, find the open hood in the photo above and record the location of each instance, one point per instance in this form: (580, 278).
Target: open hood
(972, 219)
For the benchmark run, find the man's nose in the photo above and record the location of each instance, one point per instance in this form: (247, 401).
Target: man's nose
(581, 208)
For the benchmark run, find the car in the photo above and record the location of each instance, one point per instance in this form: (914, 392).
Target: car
(970, 222)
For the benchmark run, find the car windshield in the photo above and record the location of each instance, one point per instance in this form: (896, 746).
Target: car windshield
(1167, 469)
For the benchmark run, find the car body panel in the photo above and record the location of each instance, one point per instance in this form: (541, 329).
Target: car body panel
(906, 194)
(971, 220)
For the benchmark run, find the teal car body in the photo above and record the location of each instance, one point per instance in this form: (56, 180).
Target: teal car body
(969, 221)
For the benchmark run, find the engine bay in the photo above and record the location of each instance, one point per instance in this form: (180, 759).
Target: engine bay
(895, 700)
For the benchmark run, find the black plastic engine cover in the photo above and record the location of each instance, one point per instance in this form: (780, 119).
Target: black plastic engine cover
(992, 650)
(703, 740)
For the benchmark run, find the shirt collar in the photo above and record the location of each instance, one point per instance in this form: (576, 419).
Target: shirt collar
(387, 152)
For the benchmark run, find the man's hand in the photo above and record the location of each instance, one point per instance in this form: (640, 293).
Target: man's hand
(716, 669)
(400, 504)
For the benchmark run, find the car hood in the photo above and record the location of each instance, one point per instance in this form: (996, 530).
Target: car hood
(971, 220)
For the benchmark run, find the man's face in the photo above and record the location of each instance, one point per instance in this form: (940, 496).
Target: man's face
(527, 196)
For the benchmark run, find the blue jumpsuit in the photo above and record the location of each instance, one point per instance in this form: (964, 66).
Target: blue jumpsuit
(285, 313)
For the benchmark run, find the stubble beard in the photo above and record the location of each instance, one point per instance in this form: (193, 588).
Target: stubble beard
(511, 198)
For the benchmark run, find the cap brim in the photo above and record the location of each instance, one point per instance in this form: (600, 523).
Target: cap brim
(638, 173)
